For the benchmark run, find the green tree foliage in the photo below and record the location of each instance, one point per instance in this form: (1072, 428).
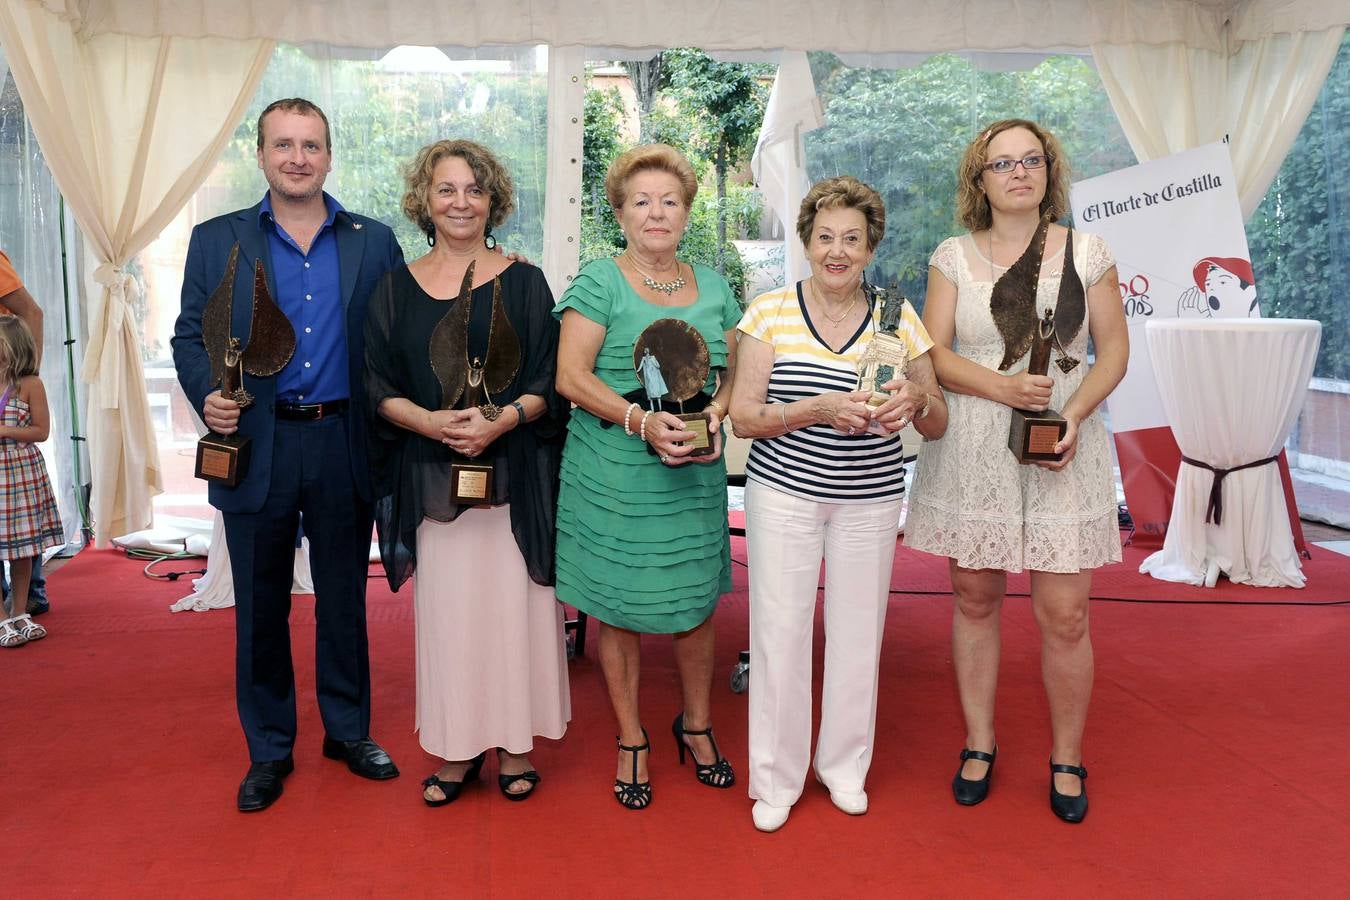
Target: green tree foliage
(381, 118)
(679, 119)
(725, 102)
(1299, 236)
(903, 132)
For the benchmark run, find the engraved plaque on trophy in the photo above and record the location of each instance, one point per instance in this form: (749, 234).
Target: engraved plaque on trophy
(223, 458)
(887, 355)
(1032, 435)
(470, 380)
(672, 364)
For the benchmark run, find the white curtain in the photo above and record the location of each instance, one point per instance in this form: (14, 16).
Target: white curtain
(130, 127)
(870, 26)
(779, 161)
(1172, 97)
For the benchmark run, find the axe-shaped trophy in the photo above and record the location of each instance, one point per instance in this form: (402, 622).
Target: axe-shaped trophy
(223, 458)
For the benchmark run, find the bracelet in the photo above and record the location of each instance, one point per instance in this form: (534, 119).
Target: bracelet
(520, 412)
(642, 426)
(626, 413)
(721, 410)
(782, 414)
(927, 402)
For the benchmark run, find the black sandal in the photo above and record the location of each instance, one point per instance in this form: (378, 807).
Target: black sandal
(718, 774)
(451, 789)
(1070, 809)
(504, 782)
(634, 794)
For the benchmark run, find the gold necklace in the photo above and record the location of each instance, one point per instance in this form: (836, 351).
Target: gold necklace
(847, 309)
(664, 287)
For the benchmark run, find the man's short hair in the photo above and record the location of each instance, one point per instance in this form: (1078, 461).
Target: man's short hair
(303, 107)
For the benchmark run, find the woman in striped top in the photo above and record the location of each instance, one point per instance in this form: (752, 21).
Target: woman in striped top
(824, 480)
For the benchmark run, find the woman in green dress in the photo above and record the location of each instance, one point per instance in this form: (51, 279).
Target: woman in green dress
(642, 524)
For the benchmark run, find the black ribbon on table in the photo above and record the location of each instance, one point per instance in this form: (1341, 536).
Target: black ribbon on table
(1215, 509)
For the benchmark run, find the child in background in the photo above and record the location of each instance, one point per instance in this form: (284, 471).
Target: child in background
(29, 521)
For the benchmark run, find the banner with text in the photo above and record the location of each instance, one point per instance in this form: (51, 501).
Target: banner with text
(1175, 227)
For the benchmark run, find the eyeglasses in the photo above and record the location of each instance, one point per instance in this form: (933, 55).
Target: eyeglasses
(1006, 166)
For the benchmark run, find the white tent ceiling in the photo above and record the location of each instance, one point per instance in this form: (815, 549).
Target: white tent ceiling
(872, 26)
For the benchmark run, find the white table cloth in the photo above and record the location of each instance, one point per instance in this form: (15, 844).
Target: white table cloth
(1232, 390)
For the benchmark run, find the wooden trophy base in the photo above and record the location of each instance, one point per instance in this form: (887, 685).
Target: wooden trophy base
(1032, 436)
(471, 484)
(695, 422)
(223, 459)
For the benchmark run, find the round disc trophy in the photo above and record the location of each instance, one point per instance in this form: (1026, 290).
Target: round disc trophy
(672, 364)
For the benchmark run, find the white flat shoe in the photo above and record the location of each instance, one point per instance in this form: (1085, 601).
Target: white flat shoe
(769, 818)
(853, 804)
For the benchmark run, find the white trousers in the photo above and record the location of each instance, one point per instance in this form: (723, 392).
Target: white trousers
(786, 539)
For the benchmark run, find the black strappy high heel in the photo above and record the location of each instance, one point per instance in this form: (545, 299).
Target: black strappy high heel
(634, 794)
(451, 789)
(718, 774)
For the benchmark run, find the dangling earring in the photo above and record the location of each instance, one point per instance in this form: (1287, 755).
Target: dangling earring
(431, 237)
(489, 241)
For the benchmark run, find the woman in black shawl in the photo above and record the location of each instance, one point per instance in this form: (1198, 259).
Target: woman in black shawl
(466, 441)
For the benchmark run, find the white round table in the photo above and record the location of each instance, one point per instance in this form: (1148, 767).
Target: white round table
(1232, 390)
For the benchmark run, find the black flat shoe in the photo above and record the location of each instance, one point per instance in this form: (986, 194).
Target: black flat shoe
(262, 785)
(504, 782)
(364, 757)
(1070, 809)
(452, 789)
(634, 794)
(968, 791)
(718, 774)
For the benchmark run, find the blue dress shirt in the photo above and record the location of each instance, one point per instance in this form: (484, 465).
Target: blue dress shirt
(309, 292)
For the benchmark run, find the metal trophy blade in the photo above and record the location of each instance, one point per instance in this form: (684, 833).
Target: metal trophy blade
(1032, 435)
(472, 382)
(223, 459)
(672, 363)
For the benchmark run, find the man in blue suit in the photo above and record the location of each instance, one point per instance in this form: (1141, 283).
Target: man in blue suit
(308, 455)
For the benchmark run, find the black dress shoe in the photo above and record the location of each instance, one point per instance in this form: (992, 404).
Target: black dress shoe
(262, 785)
(969, 791)
(1070, 809)
(364, 757)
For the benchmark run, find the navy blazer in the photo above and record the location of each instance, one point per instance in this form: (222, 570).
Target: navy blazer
(366, 250)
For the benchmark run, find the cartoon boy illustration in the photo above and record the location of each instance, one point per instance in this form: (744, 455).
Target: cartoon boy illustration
(1221, 283)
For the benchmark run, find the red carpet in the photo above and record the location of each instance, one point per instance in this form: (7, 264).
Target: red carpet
(1215, 745)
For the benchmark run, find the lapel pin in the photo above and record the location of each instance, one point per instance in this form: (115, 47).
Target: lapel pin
(356, 225)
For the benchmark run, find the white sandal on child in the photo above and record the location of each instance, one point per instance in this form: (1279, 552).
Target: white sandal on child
(11, 636)
(30, 630)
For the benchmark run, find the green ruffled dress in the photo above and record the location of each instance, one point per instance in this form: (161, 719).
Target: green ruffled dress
(641, 545)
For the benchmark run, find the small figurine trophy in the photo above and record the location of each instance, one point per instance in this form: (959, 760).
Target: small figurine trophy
(223, 458)
(672, 363)
(1032, 435)
(465, 383)
(887, 355)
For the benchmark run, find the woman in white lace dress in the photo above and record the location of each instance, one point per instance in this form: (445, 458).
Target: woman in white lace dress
(972, 501)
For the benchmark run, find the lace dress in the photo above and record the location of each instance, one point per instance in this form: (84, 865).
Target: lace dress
(971, 500)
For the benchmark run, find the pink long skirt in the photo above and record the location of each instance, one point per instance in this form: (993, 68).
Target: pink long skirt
(491, 661)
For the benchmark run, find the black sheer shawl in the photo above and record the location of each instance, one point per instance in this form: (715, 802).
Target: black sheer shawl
(409, 473)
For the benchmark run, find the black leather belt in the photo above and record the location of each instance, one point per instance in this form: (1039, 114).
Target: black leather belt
(311, 412)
